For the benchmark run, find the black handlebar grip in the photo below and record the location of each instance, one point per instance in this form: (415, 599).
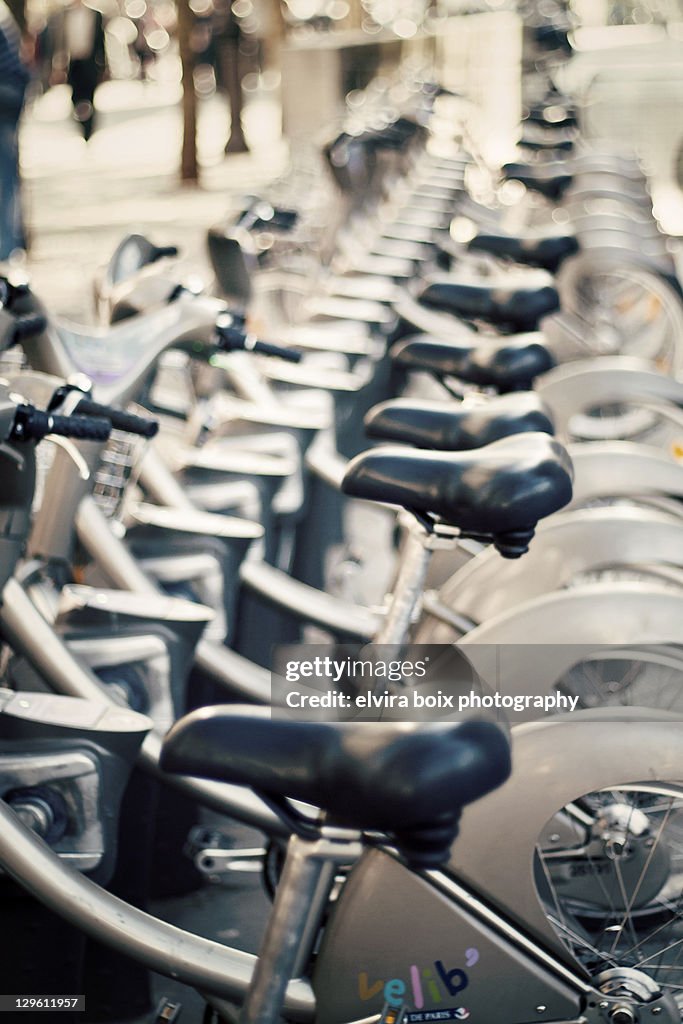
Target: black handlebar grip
(31, 424)
(164, 250)
(119, 419)
(232, 338)
(27, 326)
(85, 428)
(9, 291)
(266, 348)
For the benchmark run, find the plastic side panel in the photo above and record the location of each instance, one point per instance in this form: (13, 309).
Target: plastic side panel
(393, 935)
(555, 762)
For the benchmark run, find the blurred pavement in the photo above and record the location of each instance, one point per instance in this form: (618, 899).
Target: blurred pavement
(80, 198)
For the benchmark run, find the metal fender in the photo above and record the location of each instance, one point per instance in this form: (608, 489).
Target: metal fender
(622, 469)
(572, 387)
(547, 635)
(555, 761)
(566, 545)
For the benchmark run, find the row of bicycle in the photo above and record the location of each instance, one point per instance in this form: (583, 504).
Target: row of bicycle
(254, 488)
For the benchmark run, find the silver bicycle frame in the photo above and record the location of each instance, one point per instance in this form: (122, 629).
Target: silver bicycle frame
(30, 635)
(493, 858)
(115, 561)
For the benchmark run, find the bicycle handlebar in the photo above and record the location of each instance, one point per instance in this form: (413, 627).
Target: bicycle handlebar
(267, 348)
(120, 420)
(31, 424)
(28, 325)
(10, 291)
(14, 327)
(231, 338)
(161, 251)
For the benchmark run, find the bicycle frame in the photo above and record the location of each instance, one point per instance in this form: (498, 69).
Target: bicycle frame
(53, 536)
(486, 900)
(113, 359)
(30, 635)
(587, 614)
(23, 626)
(388, 918)
(487, 585)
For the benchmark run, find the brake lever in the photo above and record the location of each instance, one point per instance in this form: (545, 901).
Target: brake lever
(76, 383)
(73, 453)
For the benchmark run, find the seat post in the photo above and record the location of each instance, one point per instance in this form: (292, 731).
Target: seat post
(300, 900)
(415, 557)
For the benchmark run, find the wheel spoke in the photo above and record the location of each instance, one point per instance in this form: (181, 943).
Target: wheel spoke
(551, 887)
(644, 869)
(595, 912)
(583, 943)
(677, 915)
(653, 956)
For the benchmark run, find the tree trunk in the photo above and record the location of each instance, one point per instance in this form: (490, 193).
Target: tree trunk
(189, 166)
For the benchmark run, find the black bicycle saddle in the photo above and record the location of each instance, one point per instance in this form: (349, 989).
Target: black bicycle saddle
(500, 491)
(453, 426)
(511, 299)
(407, 780)
(510, 363)
(547, 248)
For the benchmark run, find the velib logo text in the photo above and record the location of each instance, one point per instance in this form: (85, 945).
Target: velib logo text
(423, 986)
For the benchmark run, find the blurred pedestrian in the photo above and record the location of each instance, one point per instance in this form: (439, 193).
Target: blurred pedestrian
(227, 38)
(141, 47)
(13, 81)
(75, 43)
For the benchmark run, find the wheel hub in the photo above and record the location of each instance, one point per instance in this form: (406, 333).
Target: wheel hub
(621, 855)
(632, 997)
